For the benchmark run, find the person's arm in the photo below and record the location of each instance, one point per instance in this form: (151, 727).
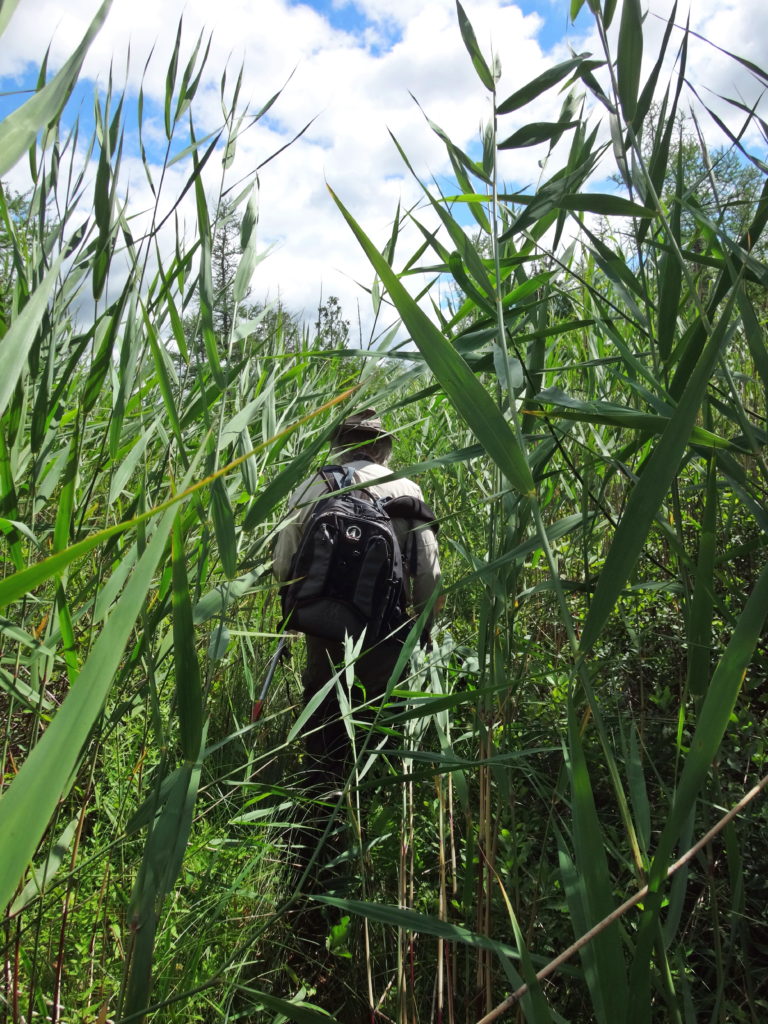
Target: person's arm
(426, 579)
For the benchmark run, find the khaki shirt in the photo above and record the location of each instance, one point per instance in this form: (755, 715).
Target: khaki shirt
(408, 531)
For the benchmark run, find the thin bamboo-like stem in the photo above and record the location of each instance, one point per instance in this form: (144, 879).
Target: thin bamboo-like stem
(442, 900)
(450, 950)
(484, 873)
(401, 902)
(357, 819)
(411, 867)
(619, 912)
(69, 898)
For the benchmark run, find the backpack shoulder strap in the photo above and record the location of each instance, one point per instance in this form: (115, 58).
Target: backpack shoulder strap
(336, 477)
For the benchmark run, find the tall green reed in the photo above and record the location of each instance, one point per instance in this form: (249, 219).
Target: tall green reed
(595, 444)
(635, 340)
(128, 442)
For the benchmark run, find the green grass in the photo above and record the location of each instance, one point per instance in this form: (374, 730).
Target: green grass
(590, 422)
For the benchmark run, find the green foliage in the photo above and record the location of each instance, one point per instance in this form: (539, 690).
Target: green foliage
(589, 420)
(331, 329)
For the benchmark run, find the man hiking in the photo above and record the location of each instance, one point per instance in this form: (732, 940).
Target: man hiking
(348, 580)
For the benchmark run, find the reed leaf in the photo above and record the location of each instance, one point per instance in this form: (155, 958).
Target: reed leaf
(163, 856)
(616, 416)
(535, 134)
(300, 1012)
(22, 334)
(224, 527)
(6, 13)
(43, 875)
(423, 924)
(603, 960)
(629, 56)
(467, 394)
(649, 492)
(702, 603)
(470, 41)
(27, 804)
(19, 129)
(189, 696)
(546, 80)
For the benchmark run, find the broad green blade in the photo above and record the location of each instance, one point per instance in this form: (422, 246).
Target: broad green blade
(7, 7)
(470, 41)
(42, 876)
(248, 239)
(170, 79)
(21, 336)
(616, 416)
(163, 857)
(629, 58)
(216, 601)
(638, 791)
(19, 129)
(29, 801)
(189, 697)
(224, 527)
(424, 924)
(702, 604)
(66, 503)
(648, 493)
(299, 1012)
(605, 205)
(649, 89)
(469, 397)
(205, 285)
(105, 332)
(535, 134)
(540, 84)
(670, 277)
(166, 388)
(755, 336)
(603, 958)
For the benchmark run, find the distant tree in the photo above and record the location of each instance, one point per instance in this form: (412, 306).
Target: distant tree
(225, 256)
(271, 320)
(718, 182)
(277, 322)
(331, 329)
(715, 191)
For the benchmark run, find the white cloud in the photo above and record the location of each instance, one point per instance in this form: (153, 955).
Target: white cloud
(357, 89)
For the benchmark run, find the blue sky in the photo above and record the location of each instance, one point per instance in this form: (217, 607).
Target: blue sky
(348, 17)
(354, 67)
(345, 17)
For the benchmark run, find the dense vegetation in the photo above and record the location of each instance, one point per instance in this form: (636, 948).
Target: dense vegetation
(587, 412)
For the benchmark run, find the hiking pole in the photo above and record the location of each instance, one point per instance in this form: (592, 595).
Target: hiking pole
(258, 705)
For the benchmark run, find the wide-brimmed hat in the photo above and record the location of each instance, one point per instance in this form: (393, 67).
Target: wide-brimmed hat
(367, 421)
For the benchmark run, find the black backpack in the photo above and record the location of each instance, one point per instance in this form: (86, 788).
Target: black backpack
(347, 574)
